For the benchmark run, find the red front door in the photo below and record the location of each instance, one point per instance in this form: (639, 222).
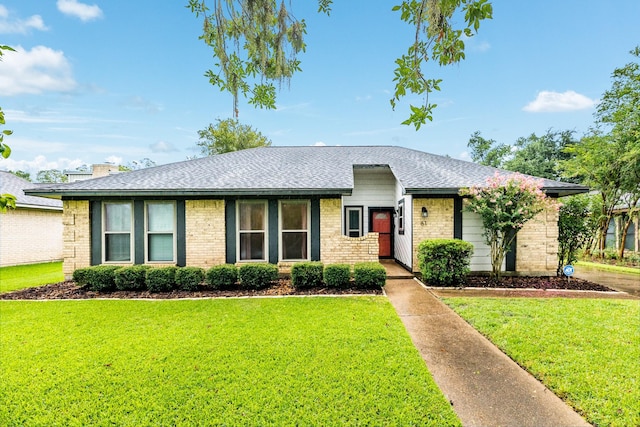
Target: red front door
(381, 223)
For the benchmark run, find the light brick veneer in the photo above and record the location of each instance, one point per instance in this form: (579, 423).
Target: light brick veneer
(438, 225)
(205, 232)
(30, 236)
(537, 244)
(76, 236)
(336, 248)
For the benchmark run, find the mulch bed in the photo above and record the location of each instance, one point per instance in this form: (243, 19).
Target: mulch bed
(521, 282)
(69, 290)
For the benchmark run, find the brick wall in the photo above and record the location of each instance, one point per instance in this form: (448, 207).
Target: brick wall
(537, 244)
(438, 225)
(76, 236)
(205, 232)
(336, 248)
(30, 236)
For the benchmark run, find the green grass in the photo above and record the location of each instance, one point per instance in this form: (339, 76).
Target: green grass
(27, 276)
(291, 361)
(587, 351)
(608, 267)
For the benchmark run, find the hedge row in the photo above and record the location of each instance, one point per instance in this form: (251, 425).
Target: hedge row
(106, 278)
(366, 275)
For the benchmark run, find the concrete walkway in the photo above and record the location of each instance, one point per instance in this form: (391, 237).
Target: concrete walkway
(485, 387)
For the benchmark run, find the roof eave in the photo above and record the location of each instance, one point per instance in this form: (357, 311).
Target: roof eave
(193, 193)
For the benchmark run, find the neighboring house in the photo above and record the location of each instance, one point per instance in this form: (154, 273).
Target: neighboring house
(287, 204)
(32, 232)
(614, 232)
(96, 171)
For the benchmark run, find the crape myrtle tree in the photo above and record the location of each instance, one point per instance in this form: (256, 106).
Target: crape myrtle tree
(256, 45)
(505, 204)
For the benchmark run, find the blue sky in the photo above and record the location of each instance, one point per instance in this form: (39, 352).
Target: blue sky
(119, 81)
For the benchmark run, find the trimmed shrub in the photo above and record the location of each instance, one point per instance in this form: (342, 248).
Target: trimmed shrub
(222, 276)
(444, 262)
(369, 275)
(101, 278)
(188, 278)
(337, 275)
(306, 274)
(131, 278)
(257, 276)
(81, 276)
(161, 279)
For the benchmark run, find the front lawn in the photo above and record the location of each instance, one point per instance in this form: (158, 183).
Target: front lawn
(29, 275)
(587, 351)
(287, 361)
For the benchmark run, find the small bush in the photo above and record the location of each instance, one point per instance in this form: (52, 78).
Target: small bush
(369, 275)
(131, 278)
(81, 276)
(337, 275)
(101, 278)
(306, 274)
(444, 262)
(222, 276)
(257, 276)
(188, 278)
(161, 279)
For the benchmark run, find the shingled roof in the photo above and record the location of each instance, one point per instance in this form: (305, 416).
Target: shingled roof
(14, 185)
(291, 171)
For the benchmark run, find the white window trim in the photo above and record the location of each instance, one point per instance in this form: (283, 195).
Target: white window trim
(401, 216)
(105, 232)
(266, 230)
(146, 232)
(307, 230)
(360, 210)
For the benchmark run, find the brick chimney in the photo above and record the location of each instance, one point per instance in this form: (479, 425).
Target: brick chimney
(103, 170)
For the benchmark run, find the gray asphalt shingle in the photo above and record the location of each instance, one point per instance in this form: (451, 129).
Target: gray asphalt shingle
(286, 170)
(14, 185)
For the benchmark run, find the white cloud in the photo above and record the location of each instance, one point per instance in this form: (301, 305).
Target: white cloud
(319, 144)
(162, 147)
(552, 102)
(40, 163)
(19, 26)
(39, 70)
(79, 10)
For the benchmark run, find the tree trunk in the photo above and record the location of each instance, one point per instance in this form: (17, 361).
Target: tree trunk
(623, 239)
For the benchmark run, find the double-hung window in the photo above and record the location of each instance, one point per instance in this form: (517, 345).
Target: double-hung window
(353, 221)
(294, 230)
(160, 231)
(252, 230)
(117, 242)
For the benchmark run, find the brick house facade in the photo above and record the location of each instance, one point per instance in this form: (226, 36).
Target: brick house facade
(287, 204)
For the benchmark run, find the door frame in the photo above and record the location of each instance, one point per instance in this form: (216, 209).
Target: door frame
(391, 212)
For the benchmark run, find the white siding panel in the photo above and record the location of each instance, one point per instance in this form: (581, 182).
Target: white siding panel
(404, 242)
(472, 232)
(371, 188)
